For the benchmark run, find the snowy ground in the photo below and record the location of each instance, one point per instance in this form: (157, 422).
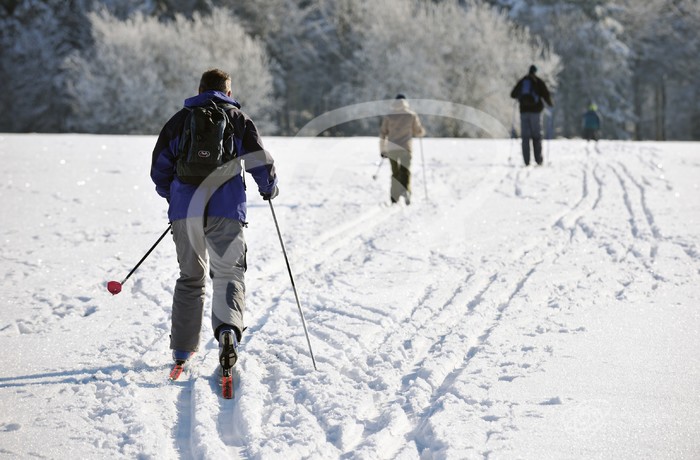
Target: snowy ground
(517, 313)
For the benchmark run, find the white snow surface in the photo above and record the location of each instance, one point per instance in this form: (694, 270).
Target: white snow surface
(536, 313)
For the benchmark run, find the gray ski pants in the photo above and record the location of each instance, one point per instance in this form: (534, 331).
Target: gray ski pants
(220, 246)
(531, 128)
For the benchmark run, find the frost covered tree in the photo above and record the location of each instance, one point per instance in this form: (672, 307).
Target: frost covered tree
(310, 49)
(637, 59)
(466, 53)
(595, 60)
(35, 37)
(642, 53)
(663, 35)
(337, 53)
(141, 69)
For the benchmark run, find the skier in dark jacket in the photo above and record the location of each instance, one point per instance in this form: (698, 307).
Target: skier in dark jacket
(531, 92)
(207, 225)
(591, 123)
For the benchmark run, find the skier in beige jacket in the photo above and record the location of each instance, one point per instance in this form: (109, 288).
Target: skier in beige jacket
(397, 130)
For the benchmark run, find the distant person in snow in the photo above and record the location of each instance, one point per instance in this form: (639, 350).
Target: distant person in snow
(208, 218)
(396, 132)
(530, 92)
(591, 123)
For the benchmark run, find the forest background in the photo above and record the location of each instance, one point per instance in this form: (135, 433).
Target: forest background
(125, 66)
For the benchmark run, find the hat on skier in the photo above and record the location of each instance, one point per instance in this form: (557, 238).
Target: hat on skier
(400, 96)
(533, 70)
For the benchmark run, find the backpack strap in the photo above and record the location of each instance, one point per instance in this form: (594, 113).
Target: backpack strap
(237, 141)
(230, 128)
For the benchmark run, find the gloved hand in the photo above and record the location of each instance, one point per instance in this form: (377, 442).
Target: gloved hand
(383, 155)
(269, 196)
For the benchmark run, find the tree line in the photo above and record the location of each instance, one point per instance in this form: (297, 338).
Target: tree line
(124, 66)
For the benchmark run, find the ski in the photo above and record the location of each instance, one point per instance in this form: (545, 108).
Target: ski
(180, 367)
(227, 384)
(227, 359)
(181, 363)
(177, 370)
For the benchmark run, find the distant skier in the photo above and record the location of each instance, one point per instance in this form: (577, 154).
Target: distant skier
(208, 219)
(591, 123)
(530, 92)
(396, 132)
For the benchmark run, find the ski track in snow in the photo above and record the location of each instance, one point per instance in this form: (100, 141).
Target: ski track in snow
(424, 319)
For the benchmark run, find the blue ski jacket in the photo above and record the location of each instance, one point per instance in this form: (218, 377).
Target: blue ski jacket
(228, 200)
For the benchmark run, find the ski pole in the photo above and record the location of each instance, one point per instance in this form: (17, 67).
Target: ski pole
(294, 288)
(374, 177)
(550, 132)
(425, 182)
(115, 287)
(513, 133)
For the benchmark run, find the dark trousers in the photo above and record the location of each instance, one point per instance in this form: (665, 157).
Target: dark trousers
(400, 174)
(590, 134)
(531, 129)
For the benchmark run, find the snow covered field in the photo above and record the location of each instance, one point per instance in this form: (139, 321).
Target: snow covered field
(517, 313)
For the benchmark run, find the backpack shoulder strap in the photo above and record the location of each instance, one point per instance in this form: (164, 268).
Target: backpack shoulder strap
(184, 131)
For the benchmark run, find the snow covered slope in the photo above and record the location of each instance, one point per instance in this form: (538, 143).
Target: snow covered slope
(512, 313)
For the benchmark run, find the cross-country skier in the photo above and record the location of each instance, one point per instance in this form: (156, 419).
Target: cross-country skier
(591, 123)
(530, 92)
(396, 132)
(208, 232)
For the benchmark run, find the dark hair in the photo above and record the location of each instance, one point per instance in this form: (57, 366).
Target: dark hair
(533, 70)
(215, 80)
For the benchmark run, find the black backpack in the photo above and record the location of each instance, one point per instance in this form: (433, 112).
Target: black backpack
(528, 95)
(206, 144)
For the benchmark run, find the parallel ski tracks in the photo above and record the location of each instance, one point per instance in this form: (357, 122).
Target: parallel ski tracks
(343, 247)
(440, 369)
(430, 360)
(440, 352)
